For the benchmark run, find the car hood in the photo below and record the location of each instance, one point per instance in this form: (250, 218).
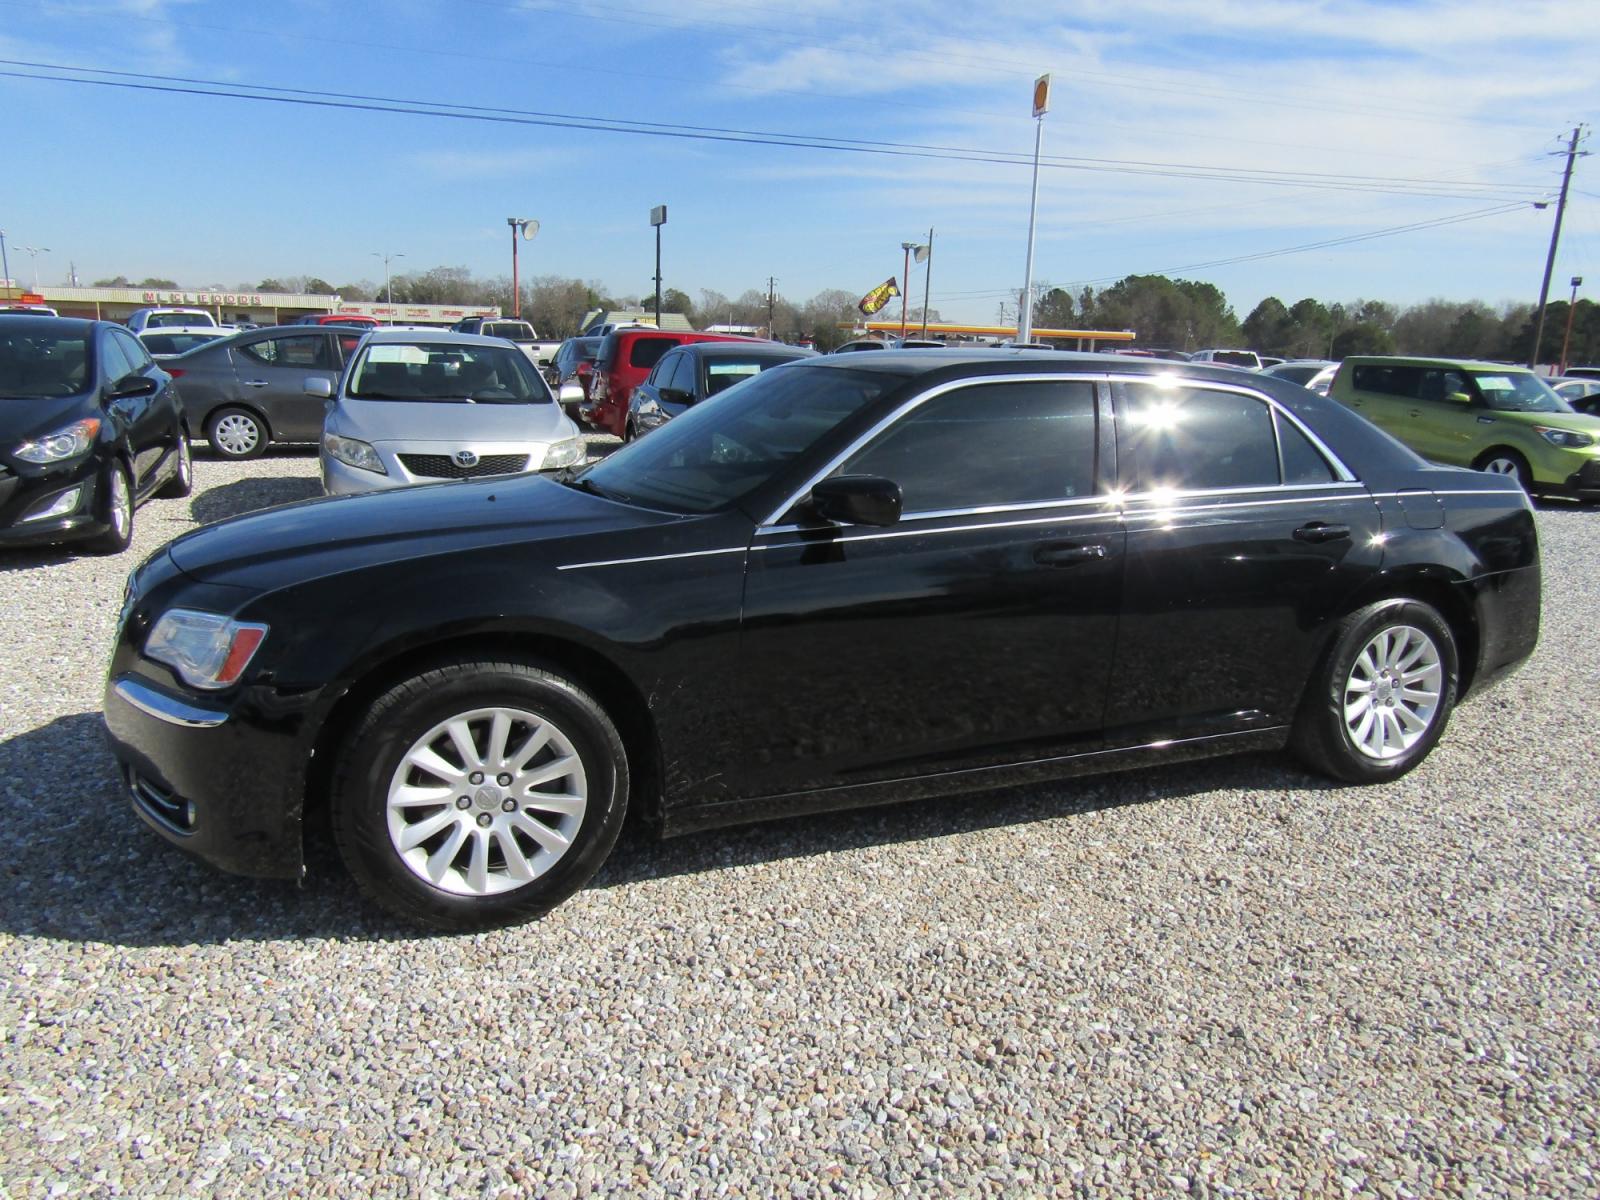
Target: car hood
(1575, 422)
(333, 534)
(32, 416)
(413, 421)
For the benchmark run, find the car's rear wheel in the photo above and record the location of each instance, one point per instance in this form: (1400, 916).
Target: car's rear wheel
(116, 510)
(1507, 462)
(182, 481)
(479, 794)
(236, 433)
(1380, 699)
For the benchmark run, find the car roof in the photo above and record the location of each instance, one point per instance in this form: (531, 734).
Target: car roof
(745, 349)
(61, 326)
(1399, 360)
(449, 337)
(1009, 360)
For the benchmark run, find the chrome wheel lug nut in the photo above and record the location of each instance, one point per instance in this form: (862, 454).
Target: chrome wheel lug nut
(475, 778)
(485, 820)
(503, 780)
(463, 802)
(509, 806)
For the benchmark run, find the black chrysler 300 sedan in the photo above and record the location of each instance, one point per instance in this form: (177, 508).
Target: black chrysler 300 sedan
(859, 579)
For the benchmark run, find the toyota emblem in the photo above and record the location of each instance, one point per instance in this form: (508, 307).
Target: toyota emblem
(465, 458)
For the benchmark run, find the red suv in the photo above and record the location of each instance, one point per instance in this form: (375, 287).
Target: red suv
(624, 360)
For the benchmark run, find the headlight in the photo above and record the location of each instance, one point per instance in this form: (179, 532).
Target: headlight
(207, 650)
(65, 443)
(353, 452)
(563, 454)
(1565, 438)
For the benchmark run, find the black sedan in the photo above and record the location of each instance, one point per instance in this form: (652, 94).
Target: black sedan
(697, 371)
(857, 579)
(90, 427)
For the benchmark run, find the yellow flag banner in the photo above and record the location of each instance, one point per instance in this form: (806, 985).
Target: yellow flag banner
(879, 296)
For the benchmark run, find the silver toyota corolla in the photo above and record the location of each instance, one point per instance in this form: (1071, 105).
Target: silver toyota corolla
(420, 406)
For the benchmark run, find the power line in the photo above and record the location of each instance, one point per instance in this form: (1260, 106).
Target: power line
(318, 98)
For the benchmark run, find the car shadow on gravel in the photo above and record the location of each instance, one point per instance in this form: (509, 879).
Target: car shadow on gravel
(93, 873)
(251, 495)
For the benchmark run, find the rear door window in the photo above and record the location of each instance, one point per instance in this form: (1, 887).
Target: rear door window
(294, 350)
(1193, 439)
(647, 351)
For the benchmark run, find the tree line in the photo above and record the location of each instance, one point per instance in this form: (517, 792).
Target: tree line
(1179, 314)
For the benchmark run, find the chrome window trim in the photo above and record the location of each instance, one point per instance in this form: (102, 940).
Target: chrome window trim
(644, 558)
(1162, 379)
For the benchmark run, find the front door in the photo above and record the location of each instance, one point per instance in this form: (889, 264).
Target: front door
(977, 631)
(1243, 535)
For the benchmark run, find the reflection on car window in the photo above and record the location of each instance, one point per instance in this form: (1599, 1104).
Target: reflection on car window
(42, 365)
(300, 350)
(723, 449)
(446, 371)
(1302, 462)
(990, 444)
(1193, 438)
(1513, 392)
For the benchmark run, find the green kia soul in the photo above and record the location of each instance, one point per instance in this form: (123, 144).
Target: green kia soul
(1478, 414)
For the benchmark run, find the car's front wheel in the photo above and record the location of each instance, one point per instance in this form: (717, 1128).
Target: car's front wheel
(479, 794)
(236, 433)
(116, 492)
(182, 481)
(1510, 463)
(1380, 699)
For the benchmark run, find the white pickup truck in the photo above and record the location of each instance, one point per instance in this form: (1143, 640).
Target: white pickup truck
(539, 353)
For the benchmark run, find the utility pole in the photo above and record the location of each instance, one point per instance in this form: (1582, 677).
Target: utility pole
(772, 302)
(1555, 238)
(1566, 338)
(927, 282)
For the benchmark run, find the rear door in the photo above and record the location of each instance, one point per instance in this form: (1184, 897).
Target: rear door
(272, 373)
(1244, 536)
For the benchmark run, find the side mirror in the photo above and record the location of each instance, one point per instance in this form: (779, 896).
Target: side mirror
(318, 388)
(857, 500)
(570, 393)
(133, 385)
(1459, 398)
(675, 396)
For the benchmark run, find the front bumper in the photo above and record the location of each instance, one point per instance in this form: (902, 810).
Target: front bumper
(1585, 481)
(409, 464)
(23, 496)
(207, 777)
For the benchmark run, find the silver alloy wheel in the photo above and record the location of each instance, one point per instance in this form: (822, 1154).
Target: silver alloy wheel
(1391, 697)
(487, 801)
(1503, 466)
(237, 434)
(121, 503)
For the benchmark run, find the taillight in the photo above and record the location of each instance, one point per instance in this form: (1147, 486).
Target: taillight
(584, 368)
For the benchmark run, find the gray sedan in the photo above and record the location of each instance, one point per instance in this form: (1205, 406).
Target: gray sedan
(249, 389)
(419, 407)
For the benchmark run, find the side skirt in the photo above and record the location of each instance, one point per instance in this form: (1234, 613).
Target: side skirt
(978, 779)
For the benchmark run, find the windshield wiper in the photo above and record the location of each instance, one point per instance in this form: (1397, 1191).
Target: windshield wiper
(585, 484)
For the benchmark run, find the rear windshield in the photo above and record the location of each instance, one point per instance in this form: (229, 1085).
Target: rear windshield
(175, 343)
(647, 351)
(516, 331)
(169, 319)
(1235, 358)
(440, 371)
(43, 364)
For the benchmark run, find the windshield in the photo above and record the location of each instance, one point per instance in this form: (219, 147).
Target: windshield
(43, 364)
(1515, 392)
(726, 447)
(516, 331)
(434, 371)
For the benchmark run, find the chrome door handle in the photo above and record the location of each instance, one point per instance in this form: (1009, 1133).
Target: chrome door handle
(1067, 554)
(1319, 531)
(256, 383)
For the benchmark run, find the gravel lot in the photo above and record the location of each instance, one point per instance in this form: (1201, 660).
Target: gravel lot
(1227, 979)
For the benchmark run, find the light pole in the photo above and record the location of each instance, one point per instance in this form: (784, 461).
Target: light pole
(527, 229)
(658, 218)
(388, 288)
(927, 281)
(35, 251)
(1566, 338)
(1041, 105)
(5, 260)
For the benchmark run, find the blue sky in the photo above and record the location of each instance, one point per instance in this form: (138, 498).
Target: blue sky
(1467, 97)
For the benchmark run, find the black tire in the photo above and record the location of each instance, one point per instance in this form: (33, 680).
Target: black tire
(1505, 461)
(182, 482)
(410, 715)
(116, 510)
(1322, 737)
(629, 433)
(236, 433)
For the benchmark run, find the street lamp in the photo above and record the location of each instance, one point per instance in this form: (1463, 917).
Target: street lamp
(1566, 338)
(1041, 105)
(527, 229)
(5, 261)
(34, 252)
(388, 288)
(658, 218)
